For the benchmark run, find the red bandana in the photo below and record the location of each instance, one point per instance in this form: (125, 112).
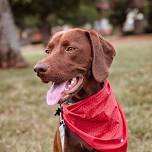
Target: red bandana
(99, 121)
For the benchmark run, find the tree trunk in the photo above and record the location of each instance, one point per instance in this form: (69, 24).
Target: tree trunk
(10, 55)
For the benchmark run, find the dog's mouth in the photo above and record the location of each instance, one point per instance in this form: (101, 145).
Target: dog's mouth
(60, 92)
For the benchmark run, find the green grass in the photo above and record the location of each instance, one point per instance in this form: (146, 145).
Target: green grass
(27, 124)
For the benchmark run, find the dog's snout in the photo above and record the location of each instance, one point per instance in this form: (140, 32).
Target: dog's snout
(40, 68)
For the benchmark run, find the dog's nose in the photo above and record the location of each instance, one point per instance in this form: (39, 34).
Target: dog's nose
(40, 68)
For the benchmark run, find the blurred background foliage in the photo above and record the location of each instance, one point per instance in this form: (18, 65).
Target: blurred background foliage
(36, 20)
(36, 13)
(148, 13)
(118, 12)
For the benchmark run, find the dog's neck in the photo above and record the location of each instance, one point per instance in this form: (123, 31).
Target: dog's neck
(89, 88)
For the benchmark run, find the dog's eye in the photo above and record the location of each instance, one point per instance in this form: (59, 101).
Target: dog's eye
(69, 49)
(47, 51)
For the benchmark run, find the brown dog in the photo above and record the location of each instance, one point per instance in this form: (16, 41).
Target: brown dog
(78, 60)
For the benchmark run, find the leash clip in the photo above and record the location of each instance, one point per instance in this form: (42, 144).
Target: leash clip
(57, 112)
(62, 122)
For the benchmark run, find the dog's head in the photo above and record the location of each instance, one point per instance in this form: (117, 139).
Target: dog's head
(73, 57)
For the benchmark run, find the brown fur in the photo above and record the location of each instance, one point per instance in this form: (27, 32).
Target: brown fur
(90, 56)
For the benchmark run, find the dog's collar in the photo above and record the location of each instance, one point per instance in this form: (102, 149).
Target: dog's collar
(59, 110)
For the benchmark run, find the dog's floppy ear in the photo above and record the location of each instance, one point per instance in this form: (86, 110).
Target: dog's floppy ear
(103, 54)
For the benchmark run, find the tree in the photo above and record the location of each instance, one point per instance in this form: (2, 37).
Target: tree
(118, 12)
(10, 55)
(47, 13)
(148, 14)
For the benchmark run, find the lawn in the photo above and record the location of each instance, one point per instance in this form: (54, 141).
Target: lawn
(27, 124)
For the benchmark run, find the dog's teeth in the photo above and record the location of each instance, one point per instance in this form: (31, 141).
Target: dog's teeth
(72, 82)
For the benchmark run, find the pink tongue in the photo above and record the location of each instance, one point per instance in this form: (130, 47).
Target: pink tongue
(55, 93)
